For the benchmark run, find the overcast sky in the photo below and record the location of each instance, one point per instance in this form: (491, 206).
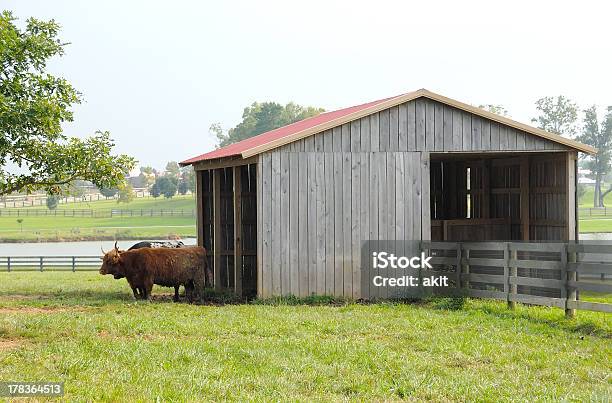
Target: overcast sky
(156, 74)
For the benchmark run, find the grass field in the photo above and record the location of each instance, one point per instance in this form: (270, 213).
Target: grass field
(52, 228)
(84, 329)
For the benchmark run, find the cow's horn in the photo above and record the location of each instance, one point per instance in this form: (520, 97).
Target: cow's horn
(102, 249)
(116, 246)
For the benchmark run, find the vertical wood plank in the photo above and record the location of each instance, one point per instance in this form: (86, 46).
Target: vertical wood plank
(329, 224)
(524, 184)
(485, 134)
(355, 128)
(276, 240)
(346, 226)
(285, 223)
(467, 131)
(328, 141)
(447, 127)
(495, 140)
(260, 227)
(375, 132)
(438, 127)
(237, 231)
(425, 195)
(420, 123)
(403, 128)
(338, 231)
(320, 224)
(430, 137)
(411, 116)
(217, 228)
(346, 137)
(394, 128)
(383, 205)
(364, 130)
(303, 224)
(294, 208)
(457, 130)
(384, 129)
(570, 190)
(504, 138)
(374, 184)
(312, 224)
(355, 224)
(364, 218)
(200, 207)
(266, 256)
(476, 133)
(337, 139)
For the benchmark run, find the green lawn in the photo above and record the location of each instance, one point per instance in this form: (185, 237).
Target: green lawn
(53, 228)
(84, 329)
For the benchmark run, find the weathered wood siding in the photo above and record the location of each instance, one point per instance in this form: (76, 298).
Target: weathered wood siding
(321, 196)
(423, 125)
(311, 242)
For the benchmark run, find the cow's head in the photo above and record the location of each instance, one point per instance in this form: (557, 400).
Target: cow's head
(111, 263)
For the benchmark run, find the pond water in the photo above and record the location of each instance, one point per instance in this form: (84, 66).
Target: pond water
(85, 248)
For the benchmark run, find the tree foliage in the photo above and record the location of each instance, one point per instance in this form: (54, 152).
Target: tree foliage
(126, 194)
(557, 115)
(155, 192)
(188, 177)
(167, 185)
(262, 117)
(33, 106)
(497, 109)
(108, 192)
(599, 137)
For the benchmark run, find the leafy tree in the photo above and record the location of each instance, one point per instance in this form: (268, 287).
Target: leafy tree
(147, 176)
(188, 176)
(262, 117)
(33, 106)
(173, 169)
(155, 191)
(600, 138)
(182, 187)
(126, 194)
(167, 185)
(52, 201)
(497, 109)
(557, 115)
(108, 192)
(20, 222)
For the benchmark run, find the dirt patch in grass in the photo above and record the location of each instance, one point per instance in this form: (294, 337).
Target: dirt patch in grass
(37, 310)
(11, 344)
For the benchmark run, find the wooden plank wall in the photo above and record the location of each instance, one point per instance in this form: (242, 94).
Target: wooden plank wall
(427, 125)
(314, 205)
(330, 210)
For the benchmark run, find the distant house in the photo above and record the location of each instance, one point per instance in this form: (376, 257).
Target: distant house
(584, 177)
(286, 212)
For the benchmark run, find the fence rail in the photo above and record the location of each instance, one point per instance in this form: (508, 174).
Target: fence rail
(587, 212)
(31, 212)
(549, 274)
(49, 263)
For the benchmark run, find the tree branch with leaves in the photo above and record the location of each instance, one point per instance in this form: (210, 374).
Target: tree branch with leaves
(34, 152)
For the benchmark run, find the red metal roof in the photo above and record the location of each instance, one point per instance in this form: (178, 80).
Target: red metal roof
(267, 137)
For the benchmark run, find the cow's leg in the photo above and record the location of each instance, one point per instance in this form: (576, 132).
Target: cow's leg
(189, 291)
(136, 292)
(176, 293)
(148, 287)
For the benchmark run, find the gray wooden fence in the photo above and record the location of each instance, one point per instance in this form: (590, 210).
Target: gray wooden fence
(549, 274)
(49, 263)
(27, 212)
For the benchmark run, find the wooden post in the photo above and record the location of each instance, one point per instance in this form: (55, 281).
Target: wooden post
(571, 292)
(524, 198)
(237, 231)
(510, 272)
(199, 207)
(217, 228)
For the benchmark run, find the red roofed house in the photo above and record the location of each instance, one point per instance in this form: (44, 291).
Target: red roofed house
(286, 212)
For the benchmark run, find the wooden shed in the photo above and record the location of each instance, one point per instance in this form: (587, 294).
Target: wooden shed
(286, 212)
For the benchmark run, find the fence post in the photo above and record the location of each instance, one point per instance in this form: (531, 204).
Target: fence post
(73, 264)
(510, 272)
(571, 291)
(459, 268)
(8, 263)
(41, 263)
